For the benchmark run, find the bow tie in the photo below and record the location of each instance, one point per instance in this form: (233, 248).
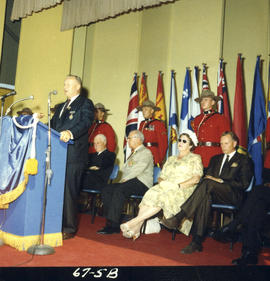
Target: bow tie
(207, 112)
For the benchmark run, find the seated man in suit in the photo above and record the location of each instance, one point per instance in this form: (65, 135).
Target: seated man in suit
(250, 221)
(227, 176)
(137, 177)
(100, 164)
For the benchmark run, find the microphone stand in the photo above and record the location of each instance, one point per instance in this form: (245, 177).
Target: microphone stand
(42, 249)
(9, 108)
(2, 111)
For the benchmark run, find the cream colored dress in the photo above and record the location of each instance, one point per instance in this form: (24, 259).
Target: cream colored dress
(167, 195)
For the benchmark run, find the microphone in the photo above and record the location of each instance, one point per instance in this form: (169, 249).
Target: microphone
(9, 108)
(54, 92)
(8, 95)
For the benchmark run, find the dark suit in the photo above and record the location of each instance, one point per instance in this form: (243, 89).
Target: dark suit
(77, 118)
(236, 177)
(252, 217)
(98, 178)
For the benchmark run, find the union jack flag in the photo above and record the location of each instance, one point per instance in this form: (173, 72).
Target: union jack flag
(132, 115)
(223, 104)
(205, 83)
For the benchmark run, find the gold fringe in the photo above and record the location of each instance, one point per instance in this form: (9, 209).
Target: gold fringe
(30, 168)
(22, 243)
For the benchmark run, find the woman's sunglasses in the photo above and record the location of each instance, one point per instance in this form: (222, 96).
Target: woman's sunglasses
(181, 140)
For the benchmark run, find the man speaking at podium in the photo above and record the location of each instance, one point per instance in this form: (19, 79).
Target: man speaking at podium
(72, 120)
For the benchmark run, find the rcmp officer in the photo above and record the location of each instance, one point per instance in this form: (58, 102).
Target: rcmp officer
(154, 131)
(208, 126)
(99, 126)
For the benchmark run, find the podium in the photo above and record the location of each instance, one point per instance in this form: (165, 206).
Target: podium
(21, 222)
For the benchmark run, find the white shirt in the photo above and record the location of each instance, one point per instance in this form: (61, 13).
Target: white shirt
(70, 102)
(224, 159)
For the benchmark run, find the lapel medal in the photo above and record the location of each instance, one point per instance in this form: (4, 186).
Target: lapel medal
(71, 115)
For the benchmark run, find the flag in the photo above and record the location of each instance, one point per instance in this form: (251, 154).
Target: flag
(223, 104)
(17, 156)
(143, 96)
(239, 113)
(205, 83)
(160, 100)
(267, 131)
(132, 115)
(185, 112)
(173, 121)
(193, 105)
(257, 123)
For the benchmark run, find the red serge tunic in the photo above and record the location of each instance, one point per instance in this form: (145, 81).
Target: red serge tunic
(101, 127)
(155, 138)
(208, 129)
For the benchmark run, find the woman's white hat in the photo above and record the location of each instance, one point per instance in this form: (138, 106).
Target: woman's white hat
(192, 135)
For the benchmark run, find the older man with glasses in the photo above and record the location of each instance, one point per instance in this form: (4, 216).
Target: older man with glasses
(137, 177)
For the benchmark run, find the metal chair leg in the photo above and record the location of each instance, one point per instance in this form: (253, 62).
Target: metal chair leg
(93, 209)
(173, 234)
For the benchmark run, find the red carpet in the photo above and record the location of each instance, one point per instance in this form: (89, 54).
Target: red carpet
(91, 249)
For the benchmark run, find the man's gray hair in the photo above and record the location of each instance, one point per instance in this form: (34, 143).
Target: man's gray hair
(138, 134)
(102, 137)
(77, 78)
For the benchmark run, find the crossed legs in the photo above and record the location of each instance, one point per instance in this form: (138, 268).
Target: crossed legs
(132, 228)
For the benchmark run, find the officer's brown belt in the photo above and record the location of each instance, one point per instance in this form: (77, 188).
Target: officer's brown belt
(208, 143)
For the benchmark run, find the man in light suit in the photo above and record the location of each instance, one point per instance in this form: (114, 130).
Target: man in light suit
(72, 119)
(100, 164)
(227, 176)
(137, 177)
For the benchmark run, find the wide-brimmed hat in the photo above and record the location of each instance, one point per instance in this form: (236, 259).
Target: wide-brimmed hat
(149, 104)
(26, 111)
(192, 135)
(207, 94)
(101, 107)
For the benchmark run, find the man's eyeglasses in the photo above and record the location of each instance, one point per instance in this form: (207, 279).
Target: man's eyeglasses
(129, 138)
(183, 141)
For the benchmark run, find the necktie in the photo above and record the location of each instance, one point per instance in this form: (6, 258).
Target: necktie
(131, 154)
(65, 107)
(225, 165)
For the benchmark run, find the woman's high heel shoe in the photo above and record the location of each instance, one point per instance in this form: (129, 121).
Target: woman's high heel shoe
(124, 227)
(136, 236)
(128, 234)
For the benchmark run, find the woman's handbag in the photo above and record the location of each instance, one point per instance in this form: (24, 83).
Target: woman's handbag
(152, 226)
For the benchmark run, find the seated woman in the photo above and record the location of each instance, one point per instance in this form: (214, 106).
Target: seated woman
(177, 181)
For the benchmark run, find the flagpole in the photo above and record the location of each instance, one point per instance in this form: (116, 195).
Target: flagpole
(222, 28)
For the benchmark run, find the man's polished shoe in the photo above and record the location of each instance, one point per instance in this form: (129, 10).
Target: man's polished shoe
(68, 235)
(225, 235)
(191, 248)
(109, 230)
(173, 222)
(245, 259)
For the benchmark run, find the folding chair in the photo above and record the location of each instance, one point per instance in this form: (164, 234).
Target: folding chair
(96, 192)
